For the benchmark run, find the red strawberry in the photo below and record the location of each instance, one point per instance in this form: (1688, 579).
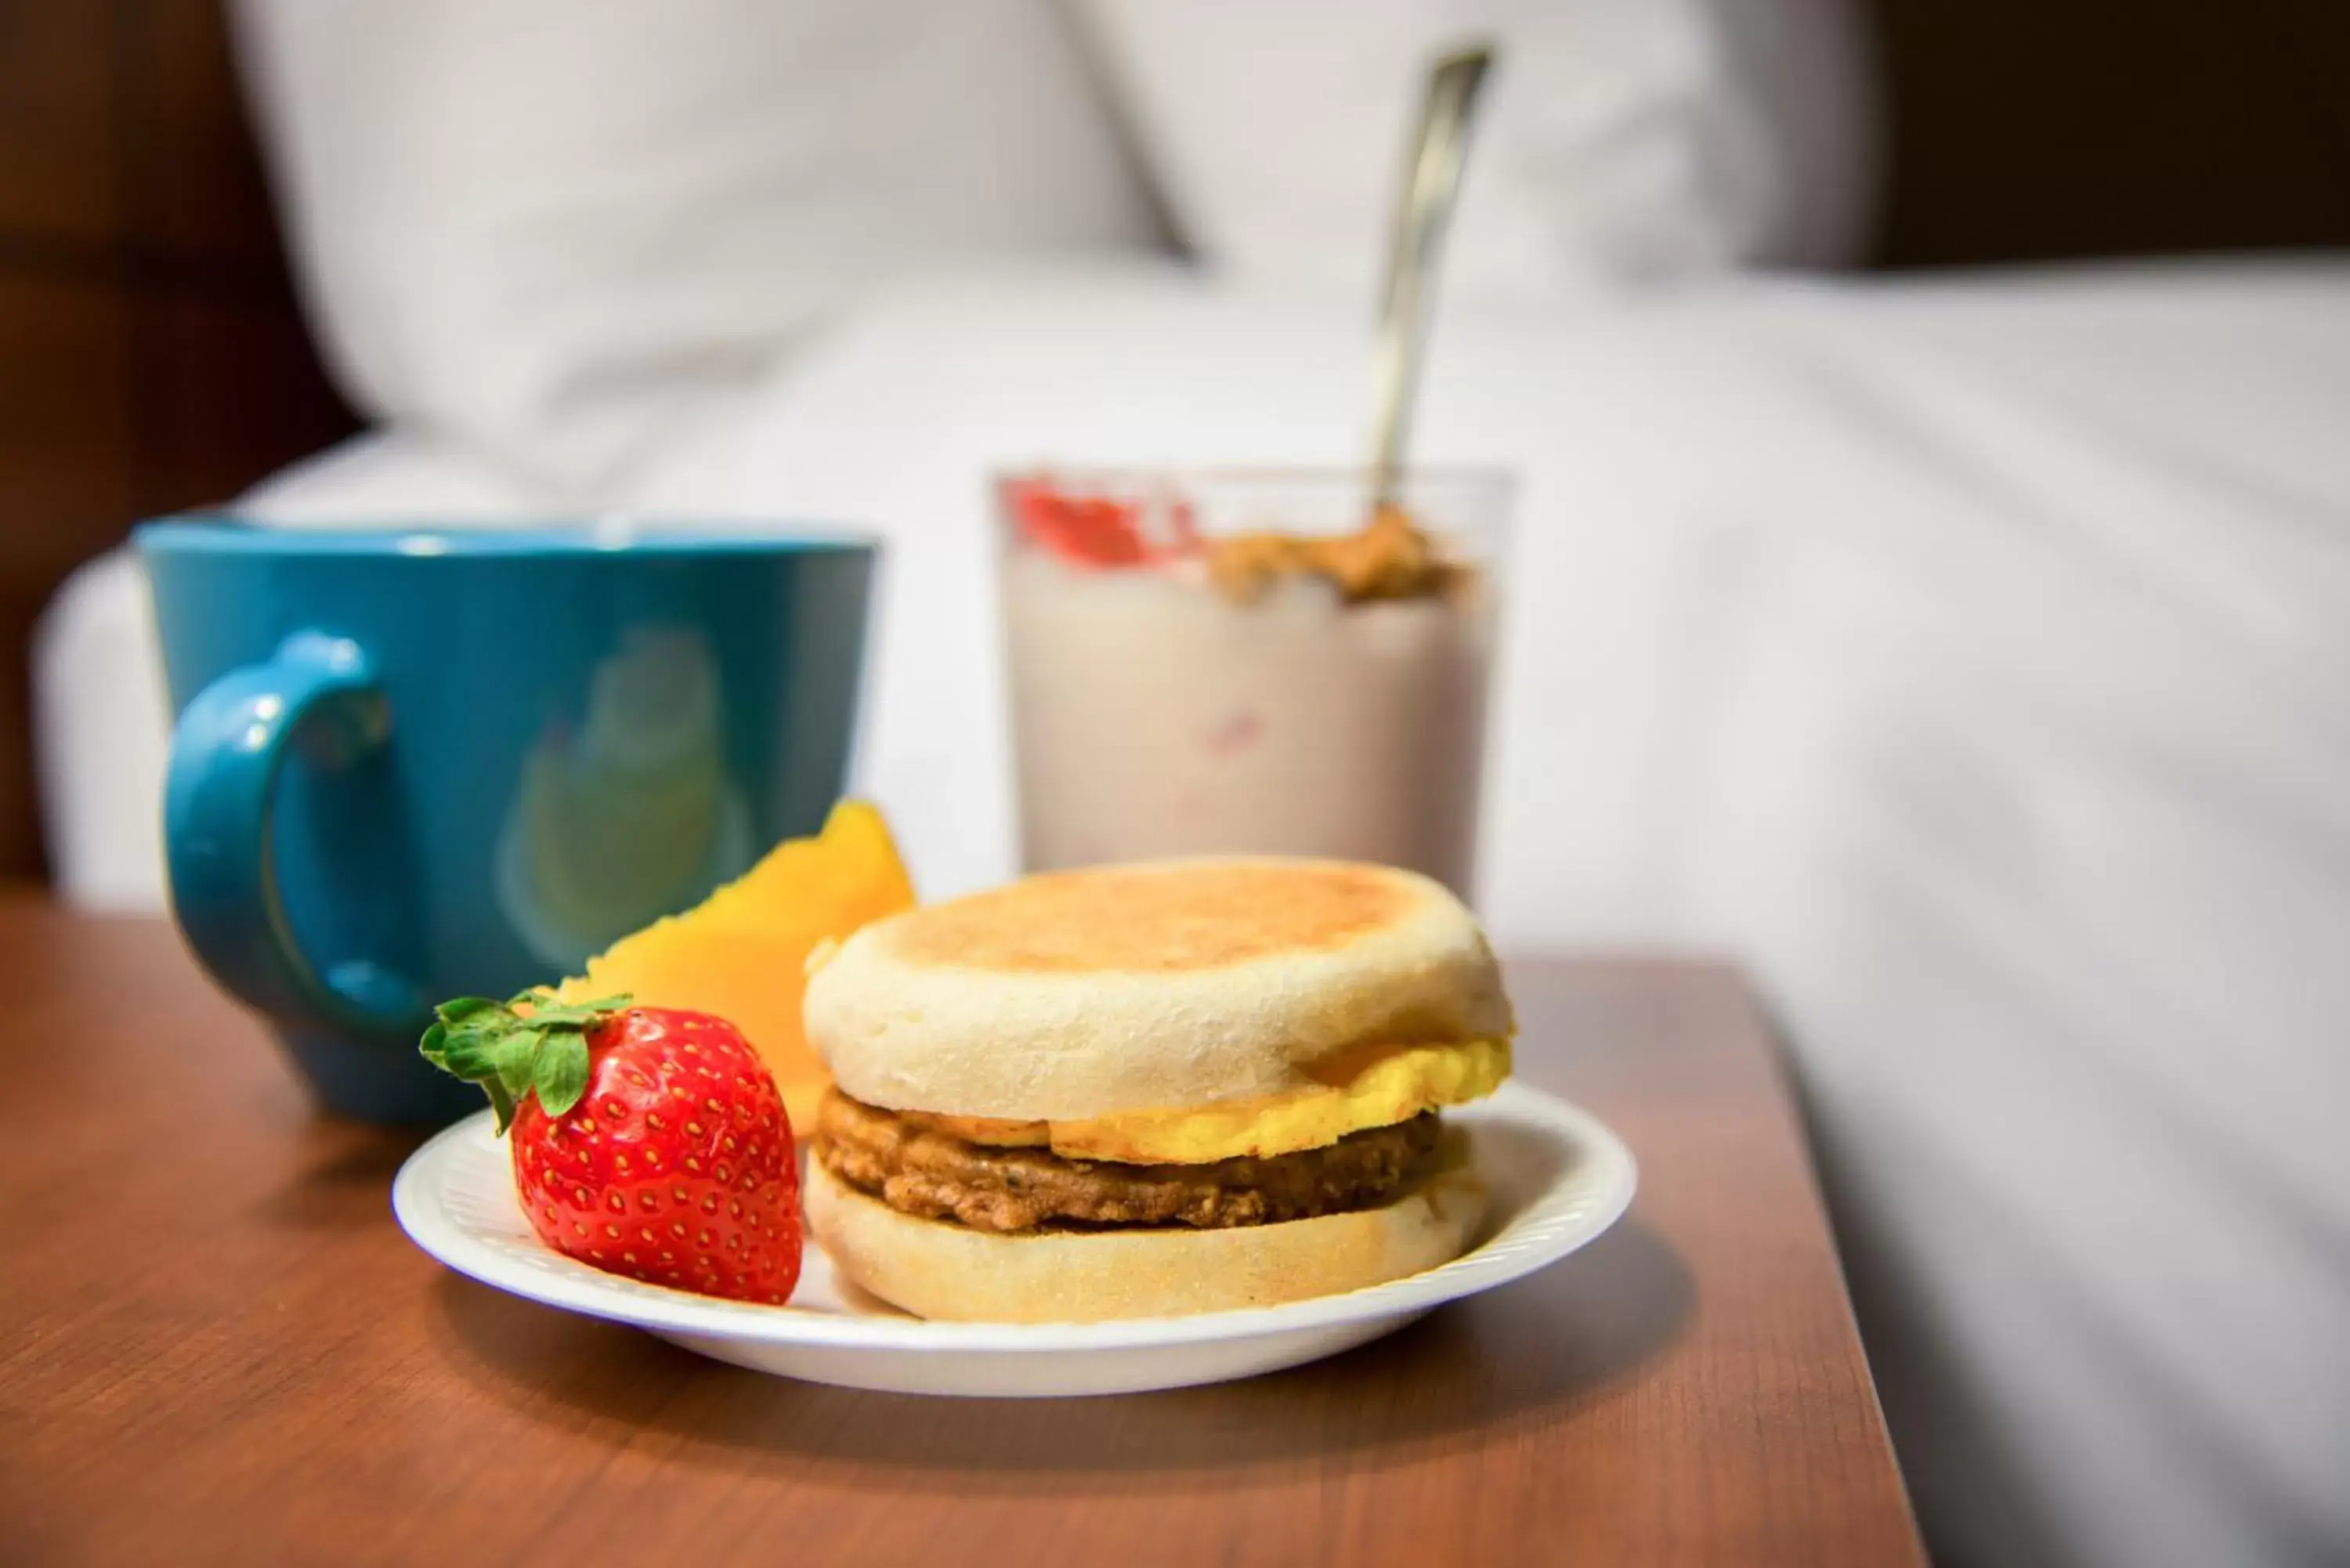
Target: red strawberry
(1097, 530)
(647, 1141)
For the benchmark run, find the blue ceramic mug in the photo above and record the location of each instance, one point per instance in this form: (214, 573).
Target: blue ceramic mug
(417, 763)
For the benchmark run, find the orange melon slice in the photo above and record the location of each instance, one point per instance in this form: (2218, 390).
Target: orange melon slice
(742, 954)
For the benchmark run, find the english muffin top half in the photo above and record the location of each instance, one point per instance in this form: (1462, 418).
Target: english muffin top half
(1150, 987)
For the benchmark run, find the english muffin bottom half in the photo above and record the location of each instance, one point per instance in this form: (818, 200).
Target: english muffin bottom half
(1153, 1089)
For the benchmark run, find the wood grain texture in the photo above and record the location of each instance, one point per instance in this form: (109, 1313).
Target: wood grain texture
(221, 1350)
(60, 115)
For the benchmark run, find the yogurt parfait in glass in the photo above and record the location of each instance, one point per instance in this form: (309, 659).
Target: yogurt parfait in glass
(1235, 662)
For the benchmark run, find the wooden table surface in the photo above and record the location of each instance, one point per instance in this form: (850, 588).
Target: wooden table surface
(220, 1349)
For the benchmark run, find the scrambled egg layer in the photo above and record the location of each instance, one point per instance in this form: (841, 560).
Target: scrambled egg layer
(1376, 1086)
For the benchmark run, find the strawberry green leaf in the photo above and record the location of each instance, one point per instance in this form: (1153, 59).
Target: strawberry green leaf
(531, 1045)
(514, 1054)
(562, 1073)
(467, 1053)
(580, 1014)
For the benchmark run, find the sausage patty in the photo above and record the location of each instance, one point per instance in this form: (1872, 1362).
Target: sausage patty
(920, 1170)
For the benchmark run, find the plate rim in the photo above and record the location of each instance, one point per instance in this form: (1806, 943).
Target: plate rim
(573, 1286)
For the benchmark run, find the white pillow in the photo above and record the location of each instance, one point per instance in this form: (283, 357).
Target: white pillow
(557, 230)
(1618, 141)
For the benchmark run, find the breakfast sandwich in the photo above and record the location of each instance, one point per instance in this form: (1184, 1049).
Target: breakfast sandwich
(1151, 1089)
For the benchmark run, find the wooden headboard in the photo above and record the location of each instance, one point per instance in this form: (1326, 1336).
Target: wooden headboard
(2047, 130)
(151, 355)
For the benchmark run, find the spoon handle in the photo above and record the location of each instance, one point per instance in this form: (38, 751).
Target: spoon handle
(1432, 178)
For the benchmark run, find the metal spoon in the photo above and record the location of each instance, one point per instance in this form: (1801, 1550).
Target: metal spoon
(1432, 178)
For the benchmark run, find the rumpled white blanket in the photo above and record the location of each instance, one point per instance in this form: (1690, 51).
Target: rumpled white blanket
(560, 233)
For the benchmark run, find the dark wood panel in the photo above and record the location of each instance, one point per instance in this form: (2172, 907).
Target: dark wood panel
(234, 391)
(2025, 130)
(65, 487)
(65, 452)
(225, 1352)
(193, 189)
(152, 354)
(58, 92)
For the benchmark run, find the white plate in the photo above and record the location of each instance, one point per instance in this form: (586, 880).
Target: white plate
(1557, 1178)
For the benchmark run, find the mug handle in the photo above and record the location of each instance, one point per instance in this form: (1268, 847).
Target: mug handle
(220, 796)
